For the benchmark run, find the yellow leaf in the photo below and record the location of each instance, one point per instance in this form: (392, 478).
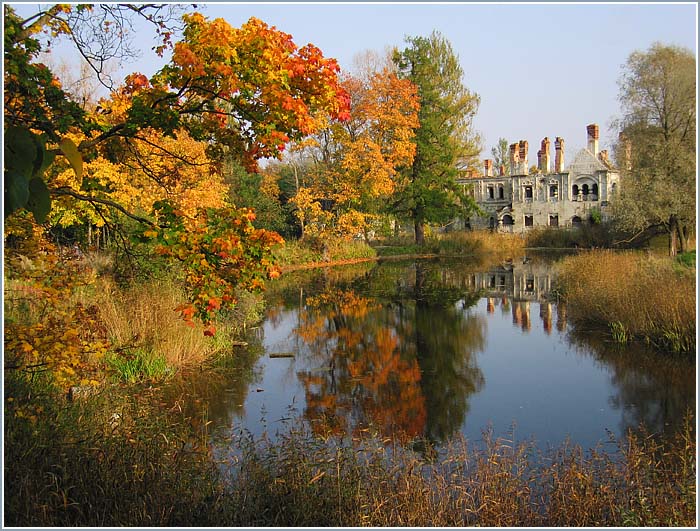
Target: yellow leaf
(70, 150)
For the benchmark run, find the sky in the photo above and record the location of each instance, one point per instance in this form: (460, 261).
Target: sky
(539, 69)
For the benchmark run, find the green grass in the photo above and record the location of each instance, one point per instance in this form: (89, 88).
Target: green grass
(139, 366)
(686, 259)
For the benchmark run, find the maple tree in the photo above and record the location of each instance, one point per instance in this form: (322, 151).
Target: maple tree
(153, 150)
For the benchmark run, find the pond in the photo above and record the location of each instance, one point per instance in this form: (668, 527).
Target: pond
(434, 348)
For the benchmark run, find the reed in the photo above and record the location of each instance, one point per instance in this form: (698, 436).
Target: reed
(636, 295)
(130, 459)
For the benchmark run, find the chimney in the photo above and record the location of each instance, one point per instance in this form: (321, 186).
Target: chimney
(488, 168)
(543, 162)
(502, 170)
(592, 130)
(559, 154)
(523, 157)
(514, 159)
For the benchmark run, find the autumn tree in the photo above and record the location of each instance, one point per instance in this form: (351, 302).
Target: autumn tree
(445, 140)
(357, 162)
(237, 92)
(657, 148)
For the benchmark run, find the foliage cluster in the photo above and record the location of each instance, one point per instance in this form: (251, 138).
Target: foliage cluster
(644, 296)
(657, 147)
(153, 150)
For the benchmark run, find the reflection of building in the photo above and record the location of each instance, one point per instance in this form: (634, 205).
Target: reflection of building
(516, 285)
(544, 198)
(517, 281)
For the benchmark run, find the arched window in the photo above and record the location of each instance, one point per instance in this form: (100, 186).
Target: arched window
(553, 190)
(574, 190)
(500, 192)
(584, 190)
(576, 221)
(614, 188)
(508, 219)
(490, 192)
(492, 222)
(594, 189)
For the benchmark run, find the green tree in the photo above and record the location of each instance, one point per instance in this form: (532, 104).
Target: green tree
(445, 140)
(656, 152)
(501, 156)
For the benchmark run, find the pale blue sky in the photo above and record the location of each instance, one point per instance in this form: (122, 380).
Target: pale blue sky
(540, 69)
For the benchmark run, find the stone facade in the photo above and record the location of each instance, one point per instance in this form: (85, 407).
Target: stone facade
(564, 197)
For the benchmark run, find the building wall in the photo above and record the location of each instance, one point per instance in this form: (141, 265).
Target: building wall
(543, 196)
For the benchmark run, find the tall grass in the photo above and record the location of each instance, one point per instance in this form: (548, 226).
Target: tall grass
(634, 294)
(129, 459)
(316, 251)
(142, 318)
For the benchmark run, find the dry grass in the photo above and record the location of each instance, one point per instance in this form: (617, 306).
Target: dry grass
(305, 481)
(134, 459)
(482, 241)
(144, 317)
(635, 294)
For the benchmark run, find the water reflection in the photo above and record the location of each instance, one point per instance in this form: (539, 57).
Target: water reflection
(649, 389)
(400, 361)
(431, 348)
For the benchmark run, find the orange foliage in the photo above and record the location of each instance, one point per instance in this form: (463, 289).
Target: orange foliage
(368, 377)
(367, 152)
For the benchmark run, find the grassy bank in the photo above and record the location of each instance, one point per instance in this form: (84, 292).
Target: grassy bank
(128, 458)
(635, 295)
(311, 251)
(73, 318)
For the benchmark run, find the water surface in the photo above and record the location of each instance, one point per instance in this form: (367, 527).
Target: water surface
(432, 348)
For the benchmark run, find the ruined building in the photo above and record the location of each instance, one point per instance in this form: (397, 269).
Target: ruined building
(562, 196)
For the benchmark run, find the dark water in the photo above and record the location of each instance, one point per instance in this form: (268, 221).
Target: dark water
(435, 348)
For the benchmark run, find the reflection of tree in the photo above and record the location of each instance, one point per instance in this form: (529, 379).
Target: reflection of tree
(652, 389)
(364, 379)
(446, 340)
(400, 359)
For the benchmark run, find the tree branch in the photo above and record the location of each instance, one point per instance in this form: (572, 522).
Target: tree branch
(92, 200)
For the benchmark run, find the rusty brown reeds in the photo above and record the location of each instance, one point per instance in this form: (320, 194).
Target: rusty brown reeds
(304, 482)
(634, 294)
(129, 459)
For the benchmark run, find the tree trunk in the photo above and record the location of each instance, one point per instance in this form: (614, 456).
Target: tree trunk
(672, 236)
(683, 237)
(420, 232)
